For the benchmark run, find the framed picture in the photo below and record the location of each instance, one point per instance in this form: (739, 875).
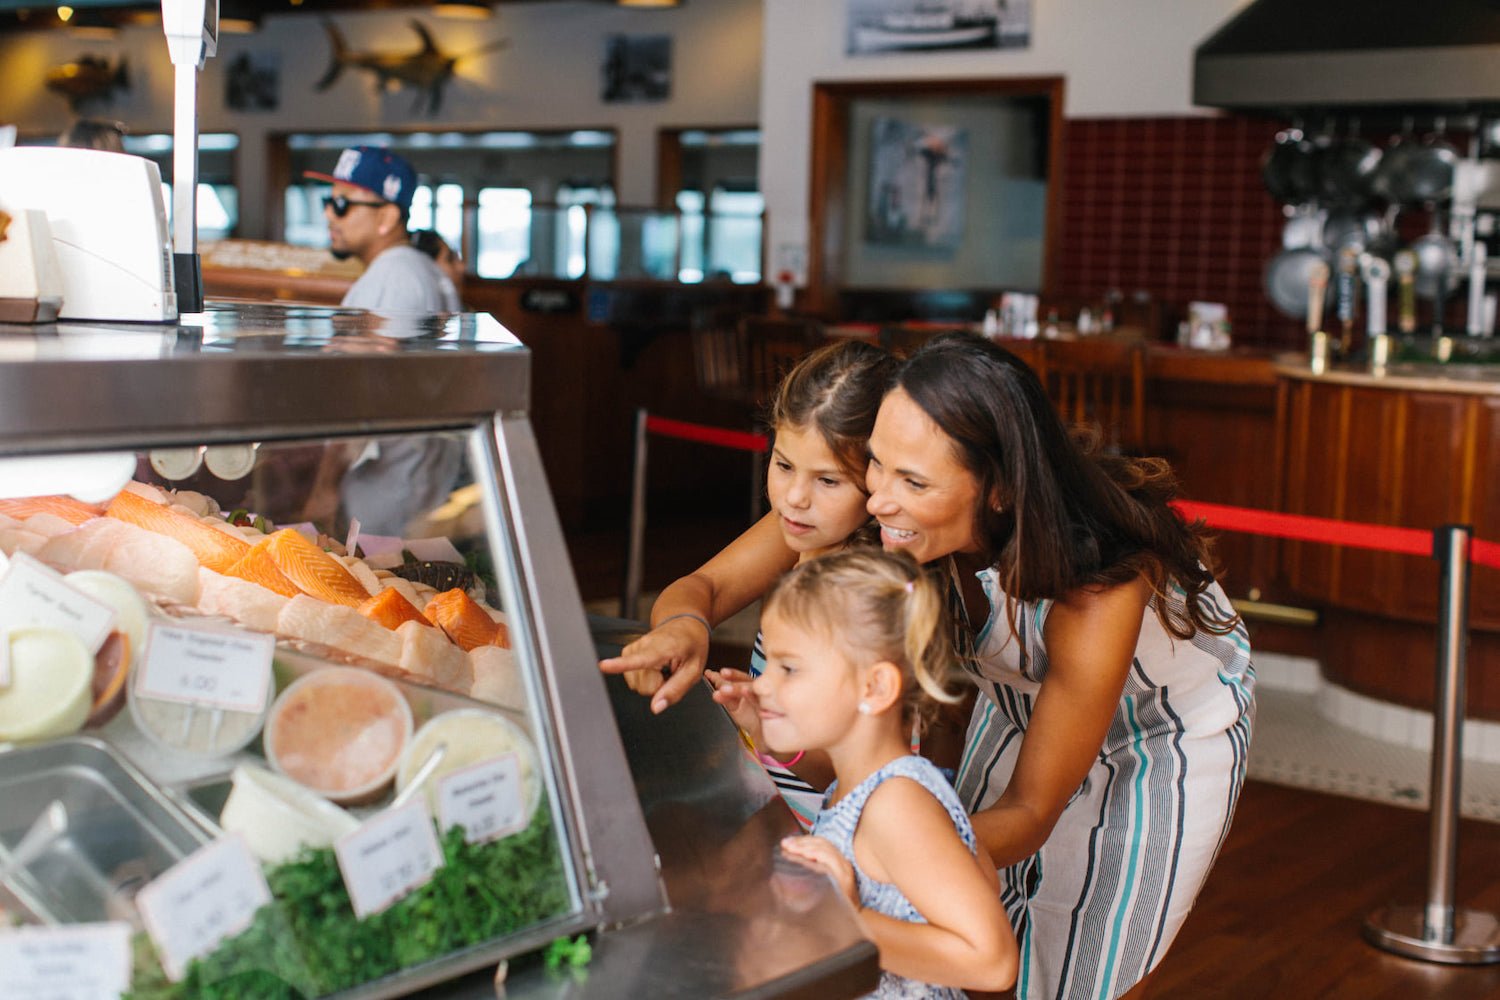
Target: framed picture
(637, 68)
(253, 82)
(876, 26)
(917, 179)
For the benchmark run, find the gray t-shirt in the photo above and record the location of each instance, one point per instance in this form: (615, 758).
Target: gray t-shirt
(403, 279)
(399, 478)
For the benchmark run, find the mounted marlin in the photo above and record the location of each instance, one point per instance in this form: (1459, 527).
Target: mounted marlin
(428, 69)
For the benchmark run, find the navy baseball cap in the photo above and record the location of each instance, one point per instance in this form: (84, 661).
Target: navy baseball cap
(377, 170)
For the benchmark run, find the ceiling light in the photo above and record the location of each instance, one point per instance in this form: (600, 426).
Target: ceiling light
(467, 10)
(64, 13)
(649, 3)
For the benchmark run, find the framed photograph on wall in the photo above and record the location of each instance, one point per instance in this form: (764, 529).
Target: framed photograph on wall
(917, 179)
(876, 26)
(637, 68)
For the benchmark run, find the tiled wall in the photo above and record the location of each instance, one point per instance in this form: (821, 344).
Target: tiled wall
(1174, 207)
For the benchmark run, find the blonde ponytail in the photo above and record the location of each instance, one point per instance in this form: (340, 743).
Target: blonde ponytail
(881, 606)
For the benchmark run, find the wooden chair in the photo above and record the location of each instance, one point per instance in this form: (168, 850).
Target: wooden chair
(1100, 381)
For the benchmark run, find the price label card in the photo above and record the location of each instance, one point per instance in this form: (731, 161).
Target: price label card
(207, 666)
(33, 595)
(74, 962)
(486, 799)
(208, 896)
(391, 854)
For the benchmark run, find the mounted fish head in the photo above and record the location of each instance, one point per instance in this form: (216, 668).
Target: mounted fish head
(426, 70)
(87, 78)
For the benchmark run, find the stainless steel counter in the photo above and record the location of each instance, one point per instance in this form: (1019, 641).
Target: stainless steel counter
(744, 921)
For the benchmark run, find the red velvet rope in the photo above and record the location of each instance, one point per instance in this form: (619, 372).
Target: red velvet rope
(1300, 527)
(703, 434)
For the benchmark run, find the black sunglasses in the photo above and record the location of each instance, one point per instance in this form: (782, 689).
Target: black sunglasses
(341, 205)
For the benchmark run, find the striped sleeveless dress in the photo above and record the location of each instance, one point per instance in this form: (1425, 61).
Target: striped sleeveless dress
(837, 824)
(1097, 907)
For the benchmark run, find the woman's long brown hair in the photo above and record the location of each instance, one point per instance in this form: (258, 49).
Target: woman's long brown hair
(1069, 515)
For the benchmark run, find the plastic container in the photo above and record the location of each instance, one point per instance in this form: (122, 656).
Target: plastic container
(339, 731)
(192, 728)
(278, 817)
(469, 735)
(51, 686)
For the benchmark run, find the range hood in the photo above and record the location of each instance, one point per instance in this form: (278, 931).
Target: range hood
(1282, 56)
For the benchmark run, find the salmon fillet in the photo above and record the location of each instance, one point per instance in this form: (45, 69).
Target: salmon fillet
(259, 568)
(390, 609)
(466, 623)
(214, 549)
(314, 571)
(65, 507)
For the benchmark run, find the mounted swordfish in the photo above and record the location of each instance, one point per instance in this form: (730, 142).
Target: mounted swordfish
(427, 70)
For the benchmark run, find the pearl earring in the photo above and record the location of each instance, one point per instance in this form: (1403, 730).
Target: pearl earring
(864, 708)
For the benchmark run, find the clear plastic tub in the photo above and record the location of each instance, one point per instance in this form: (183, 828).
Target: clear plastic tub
(339, 731)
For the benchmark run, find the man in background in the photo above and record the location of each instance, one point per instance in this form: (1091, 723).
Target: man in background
(367, 214)
(390, 480)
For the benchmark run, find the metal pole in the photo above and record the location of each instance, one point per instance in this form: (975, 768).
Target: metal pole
(186, 265)
(635, 543)
(1437, 931)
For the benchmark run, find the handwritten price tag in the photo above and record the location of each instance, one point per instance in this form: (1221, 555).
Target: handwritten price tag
(33, 595)
(391, 854)
(207, 666)
(486, 799)
(208, 896)
(77, 962)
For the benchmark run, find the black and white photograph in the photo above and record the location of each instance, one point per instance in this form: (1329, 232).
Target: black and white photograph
(877, 26)
(917, 175)
(253, 82)
(637, 68)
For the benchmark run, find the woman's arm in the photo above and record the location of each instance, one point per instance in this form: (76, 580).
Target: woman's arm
(906, 837)
(718, 589)
(1091, 638)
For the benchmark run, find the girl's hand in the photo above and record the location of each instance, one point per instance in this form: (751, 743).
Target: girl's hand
(732, 690)
(680, 646)
(819, 854)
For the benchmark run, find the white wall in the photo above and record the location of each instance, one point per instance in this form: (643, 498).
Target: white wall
(1119, 58)
(547, 77)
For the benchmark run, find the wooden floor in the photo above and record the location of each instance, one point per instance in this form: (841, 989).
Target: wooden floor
(1281, 914)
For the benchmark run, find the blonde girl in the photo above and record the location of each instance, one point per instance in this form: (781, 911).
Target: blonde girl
(857, 651)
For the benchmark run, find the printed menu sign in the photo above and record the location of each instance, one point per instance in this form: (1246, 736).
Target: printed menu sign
(391, 854)
(208, 896)
(486, 799)
(33, 595)
(73, 962)
(207, 666)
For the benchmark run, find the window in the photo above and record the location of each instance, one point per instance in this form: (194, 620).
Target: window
(504, 244)
(448, 219)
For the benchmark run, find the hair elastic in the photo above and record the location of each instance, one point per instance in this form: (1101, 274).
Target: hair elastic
(686, 614)
(770, 761)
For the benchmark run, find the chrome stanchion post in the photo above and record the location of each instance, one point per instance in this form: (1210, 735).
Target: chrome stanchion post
(1439, 932)
(635, 543)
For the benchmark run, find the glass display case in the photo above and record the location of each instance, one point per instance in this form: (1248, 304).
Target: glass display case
(298, 691)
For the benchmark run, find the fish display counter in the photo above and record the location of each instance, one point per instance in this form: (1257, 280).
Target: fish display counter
(298, 697)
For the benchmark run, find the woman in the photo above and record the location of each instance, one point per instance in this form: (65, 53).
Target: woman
(1104, 761)
(1103, 764)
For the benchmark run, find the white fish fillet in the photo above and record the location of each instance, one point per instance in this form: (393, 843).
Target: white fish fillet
(248, 603)
(342, 628)
(13, 540)
(153, 562)
(48, 525)
(497, 677)
(427, 653)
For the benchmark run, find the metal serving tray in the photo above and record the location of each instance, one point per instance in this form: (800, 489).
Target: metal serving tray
(121, 831)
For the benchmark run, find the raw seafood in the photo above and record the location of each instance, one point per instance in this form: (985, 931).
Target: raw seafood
(466, 623)
(70, 510)
(259, 568)
(313, 570)
(340, 627)
(247, 603)
(496, 678)
(427, 654)
(214, 549)
(390, 609)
